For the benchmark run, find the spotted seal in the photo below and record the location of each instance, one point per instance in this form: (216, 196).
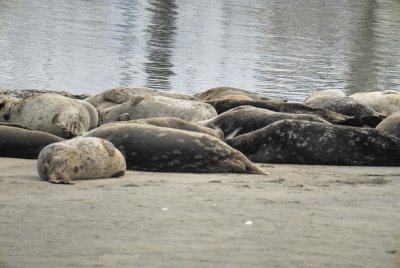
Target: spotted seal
(157, 106)
(286, 107)
(384, 102)
(303, 142)
(177, 123)
(316, 99)
(391, 124)
(244, 119)
(18, 142)
(80, 158)
(153, 148)
(120, 95)
(363, 114)
(48, 112)
(220, 92)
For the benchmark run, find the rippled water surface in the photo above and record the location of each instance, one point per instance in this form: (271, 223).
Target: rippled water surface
(283, 48)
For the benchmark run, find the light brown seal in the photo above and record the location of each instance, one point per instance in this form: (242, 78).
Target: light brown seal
(48, 112)
(157, 106)
(80, 158)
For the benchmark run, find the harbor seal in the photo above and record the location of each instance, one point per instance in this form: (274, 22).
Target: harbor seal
(384, 102)
(363, 114)
(303, 142)
(48, 112)
(219, 92)
(285, 107)
(94, 116)
(177, 123)
(120, 95)
(155, 148)
(18, 142)
(244, 119)
(391, 124)
(157, 106)
(317, 98)
(78, 159)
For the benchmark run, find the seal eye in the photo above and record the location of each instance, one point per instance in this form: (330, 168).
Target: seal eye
(6, 117)
(1, 105)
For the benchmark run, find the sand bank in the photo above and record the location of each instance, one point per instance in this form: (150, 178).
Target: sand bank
(298, 216)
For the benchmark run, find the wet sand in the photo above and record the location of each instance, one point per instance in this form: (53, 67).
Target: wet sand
(298, 216)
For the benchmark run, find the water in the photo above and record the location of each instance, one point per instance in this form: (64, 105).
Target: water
(283, 48)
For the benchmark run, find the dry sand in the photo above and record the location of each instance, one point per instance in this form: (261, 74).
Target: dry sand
(298, 216)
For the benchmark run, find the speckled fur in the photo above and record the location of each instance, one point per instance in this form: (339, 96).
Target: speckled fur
(80, 158)
(285, 107)
(362, 113)
(119, 95)
(249, 118)
(384, 102)
(302, 142)
(159, 106)
(391, 125)
(48, 112)
(316, 99)
(147, 147)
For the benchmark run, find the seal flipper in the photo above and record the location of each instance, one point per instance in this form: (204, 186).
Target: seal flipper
(124, 117)
(109, 147)
(117, 96)
(71, 127)
(250, 167)
(54, 178)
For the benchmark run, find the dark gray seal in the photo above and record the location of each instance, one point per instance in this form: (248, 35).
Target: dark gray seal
(285, 107)
(303, 142)
(154, 148)
(18, 142)
(363, 114)
(244, 119)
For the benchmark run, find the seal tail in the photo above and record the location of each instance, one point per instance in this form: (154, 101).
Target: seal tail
(254, 169)
(250, 167)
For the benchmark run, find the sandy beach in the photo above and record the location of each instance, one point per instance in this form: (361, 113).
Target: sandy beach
(298, 216)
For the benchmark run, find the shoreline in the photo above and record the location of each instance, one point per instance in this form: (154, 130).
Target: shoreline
(298, 216)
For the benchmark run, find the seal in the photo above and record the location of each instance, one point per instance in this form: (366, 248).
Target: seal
(177, 123)
(384, 102)
(285, 107)
(157, 106)
(48, 112)
(94, 116)
(78, 159)
(234, 97)
(153, 148)
(120, 95)
(303, 142)
(18, 142)
(317, 98)
(391, 124)
(219, 92)
(363, 114)
(244, 119)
